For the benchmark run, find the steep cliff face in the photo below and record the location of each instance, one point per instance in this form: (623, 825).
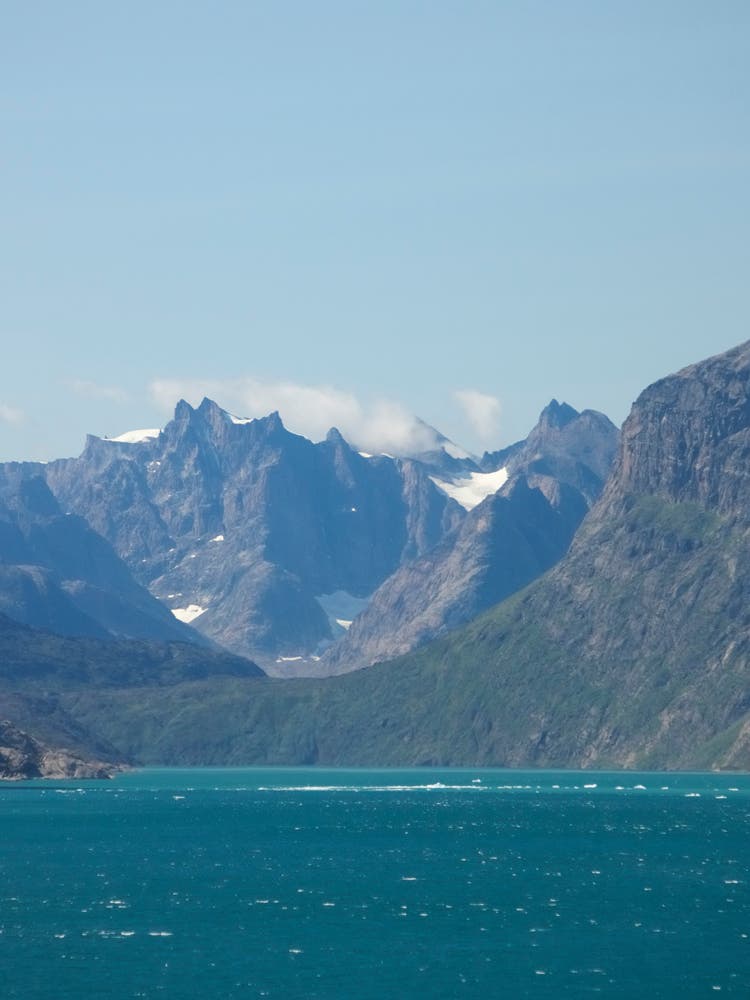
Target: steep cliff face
(688, 439)
(505, 542)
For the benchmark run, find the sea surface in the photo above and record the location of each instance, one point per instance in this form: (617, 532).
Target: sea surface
(357, 884)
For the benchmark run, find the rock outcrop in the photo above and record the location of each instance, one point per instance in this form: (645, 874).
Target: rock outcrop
(23, 757)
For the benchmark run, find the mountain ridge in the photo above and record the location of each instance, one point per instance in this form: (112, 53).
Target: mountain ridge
(298, 522)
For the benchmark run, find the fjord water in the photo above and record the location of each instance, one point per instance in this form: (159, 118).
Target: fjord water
(369, 884)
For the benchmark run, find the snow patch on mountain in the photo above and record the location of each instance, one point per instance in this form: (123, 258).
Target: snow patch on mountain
(470, 490)
(188, 614)
(138, 437)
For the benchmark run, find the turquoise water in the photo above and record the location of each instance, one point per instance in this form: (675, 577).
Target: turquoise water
(373, 884)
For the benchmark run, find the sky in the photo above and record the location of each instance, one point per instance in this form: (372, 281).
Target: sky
(357, 212)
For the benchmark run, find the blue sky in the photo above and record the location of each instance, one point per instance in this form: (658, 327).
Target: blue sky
(358, 211)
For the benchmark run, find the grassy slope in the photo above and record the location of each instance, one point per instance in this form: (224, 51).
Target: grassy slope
(633, 652)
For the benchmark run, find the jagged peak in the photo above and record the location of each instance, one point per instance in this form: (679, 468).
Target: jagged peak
(557, 414)
(334, 436)
(273, 421)
(208, 406)
(183, 411)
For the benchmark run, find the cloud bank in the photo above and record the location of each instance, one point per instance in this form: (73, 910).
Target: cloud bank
(381, 425)
(92, 390)
(483, 413)
(11, 415)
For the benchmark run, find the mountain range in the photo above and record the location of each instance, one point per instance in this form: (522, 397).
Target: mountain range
(554, 607)
(270, 545)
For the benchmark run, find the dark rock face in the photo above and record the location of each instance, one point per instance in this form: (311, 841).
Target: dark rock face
(251, 523)
(688, 439)
(56, 573)
(504, 543)
(23, 757)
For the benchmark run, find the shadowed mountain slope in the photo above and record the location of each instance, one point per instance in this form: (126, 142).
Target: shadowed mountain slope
(56, 573)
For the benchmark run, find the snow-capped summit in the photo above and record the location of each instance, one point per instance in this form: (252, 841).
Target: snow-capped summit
(137, 437)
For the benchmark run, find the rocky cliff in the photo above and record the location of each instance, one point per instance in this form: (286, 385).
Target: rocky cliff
(23, 757)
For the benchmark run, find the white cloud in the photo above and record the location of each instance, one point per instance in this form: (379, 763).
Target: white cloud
(381, 425)
(11, 415)
(93, 390)
(482, 412)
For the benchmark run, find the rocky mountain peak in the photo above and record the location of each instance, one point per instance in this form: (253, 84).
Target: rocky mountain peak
(557, 415)
(688, 437)
(183, 411)
(334, 436)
